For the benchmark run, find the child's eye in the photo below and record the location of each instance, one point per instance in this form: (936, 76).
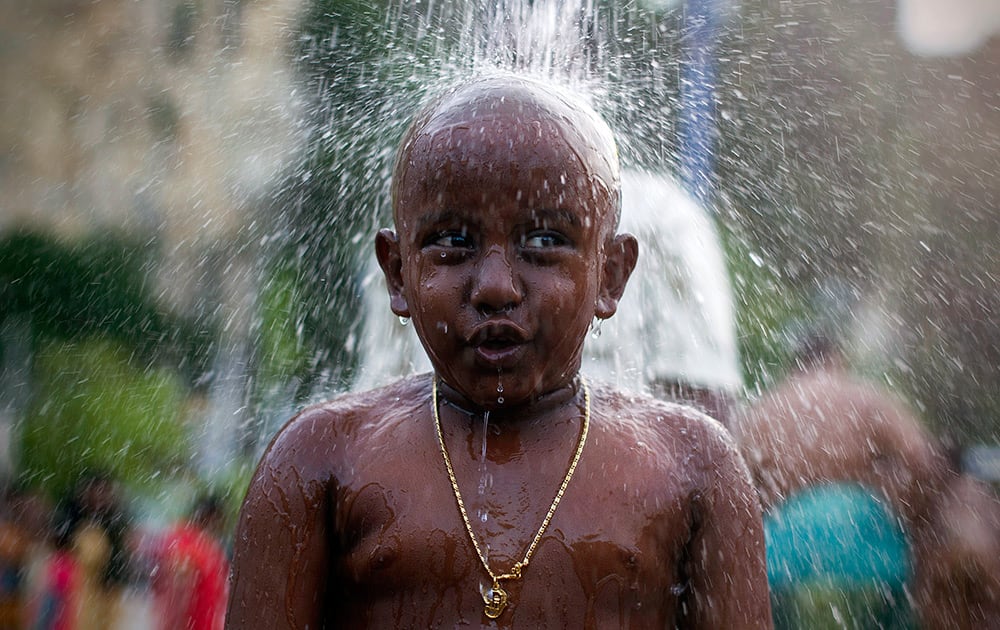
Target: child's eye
(543, 240)
(450, 239)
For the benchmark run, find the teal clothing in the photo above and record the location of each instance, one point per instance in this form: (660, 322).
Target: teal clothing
(837, 557)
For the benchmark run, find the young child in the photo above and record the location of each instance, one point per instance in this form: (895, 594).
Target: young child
(501, 490)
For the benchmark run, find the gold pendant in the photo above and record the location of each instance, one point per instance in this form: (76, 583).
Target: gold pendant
(495, 599)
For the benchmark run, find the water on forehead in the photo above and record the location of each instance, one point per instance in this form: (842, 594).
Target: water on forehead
(511, 133)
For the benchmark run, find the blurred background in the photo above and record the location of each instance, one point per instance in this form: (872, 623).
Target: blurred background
(190, 189)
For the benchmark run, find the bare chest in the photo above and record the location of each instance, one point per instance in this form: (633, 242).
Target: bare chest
(613, 550)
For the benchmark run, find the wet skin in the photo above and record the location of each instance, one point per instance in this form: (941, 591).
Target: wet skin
(350, 521)
(505, 202)
(506, 217)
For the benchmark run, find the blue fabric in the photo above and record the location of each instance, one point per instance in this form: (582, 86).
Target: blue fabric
(839, 534)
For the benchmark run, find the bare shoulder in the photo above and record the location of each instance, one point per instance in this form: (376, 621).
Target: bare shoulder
(325, 433)
(284, 522)
(705, 502)
(680, 423)
(684, 437)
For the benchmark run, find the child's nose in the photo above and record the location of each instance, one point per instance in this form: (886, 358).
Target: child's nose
(494, 288)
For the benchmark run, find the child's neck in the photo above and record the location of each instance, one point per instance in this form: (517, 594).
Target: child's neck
(508, 414)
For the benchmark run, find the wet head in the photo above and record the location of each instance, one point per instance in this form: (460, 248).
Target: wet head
(509, 132)
(506, 199)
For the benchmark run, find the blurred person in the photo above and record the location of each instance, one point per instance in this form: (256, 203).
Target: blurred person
(23, 545)
(190, 572)
(823, 424)
(58, 604)
(959, 586)
(87, 572)
(100, 545)
(14, 542)
(849, 480)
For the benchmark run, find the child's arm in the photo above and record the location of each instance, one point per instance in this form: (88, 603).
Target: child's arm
(727, 565)
(281, 553)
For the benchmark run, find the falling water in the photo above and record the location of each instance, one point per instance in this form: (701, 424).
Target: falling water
(854, 178)
(483, 472)
(588, 47)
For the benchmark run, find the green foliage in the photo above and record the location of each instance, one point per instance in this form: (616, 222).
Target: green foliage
(101, 395)
(231, 486)
(95, 286)
(282, 353)
(90, 287)
(94, 409)
(328, 207)
(768, 306)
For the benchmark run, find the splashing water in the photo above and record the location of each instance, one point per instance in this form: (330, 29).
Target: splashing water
(805, 180)
(589, 48)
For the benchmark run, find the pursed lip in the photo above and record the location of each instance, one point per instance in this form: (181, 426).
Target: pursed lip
(498, 344)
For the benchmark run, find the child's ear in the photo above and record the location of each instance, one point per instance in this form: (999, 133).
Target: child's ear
(619, 261)
(391, 261)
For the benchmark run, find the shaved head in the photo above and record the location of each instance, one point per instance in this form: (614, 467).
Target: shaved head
(484, 123)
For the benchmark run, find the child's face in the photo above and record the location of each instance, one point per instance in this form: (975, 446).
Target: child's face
(503, 230)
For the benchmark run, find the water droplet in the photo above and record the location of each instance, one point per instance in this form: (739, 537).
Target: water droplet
(482, 458)
(486, 424)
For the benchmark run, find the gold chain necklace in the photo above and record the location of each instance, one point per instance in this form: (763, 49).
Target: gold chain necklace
(495, 598)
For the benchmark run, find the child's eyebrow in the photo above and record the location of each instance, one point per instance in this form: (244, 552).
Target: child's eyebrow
(555, 215)
(438, 217)
(539, 216)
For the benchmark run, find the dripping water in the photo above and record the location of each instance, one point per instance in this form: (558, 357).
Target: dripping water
(482, 513)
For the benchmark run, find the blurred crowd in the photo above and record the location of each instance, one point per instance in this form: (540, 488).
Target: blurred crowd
(82, 563)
